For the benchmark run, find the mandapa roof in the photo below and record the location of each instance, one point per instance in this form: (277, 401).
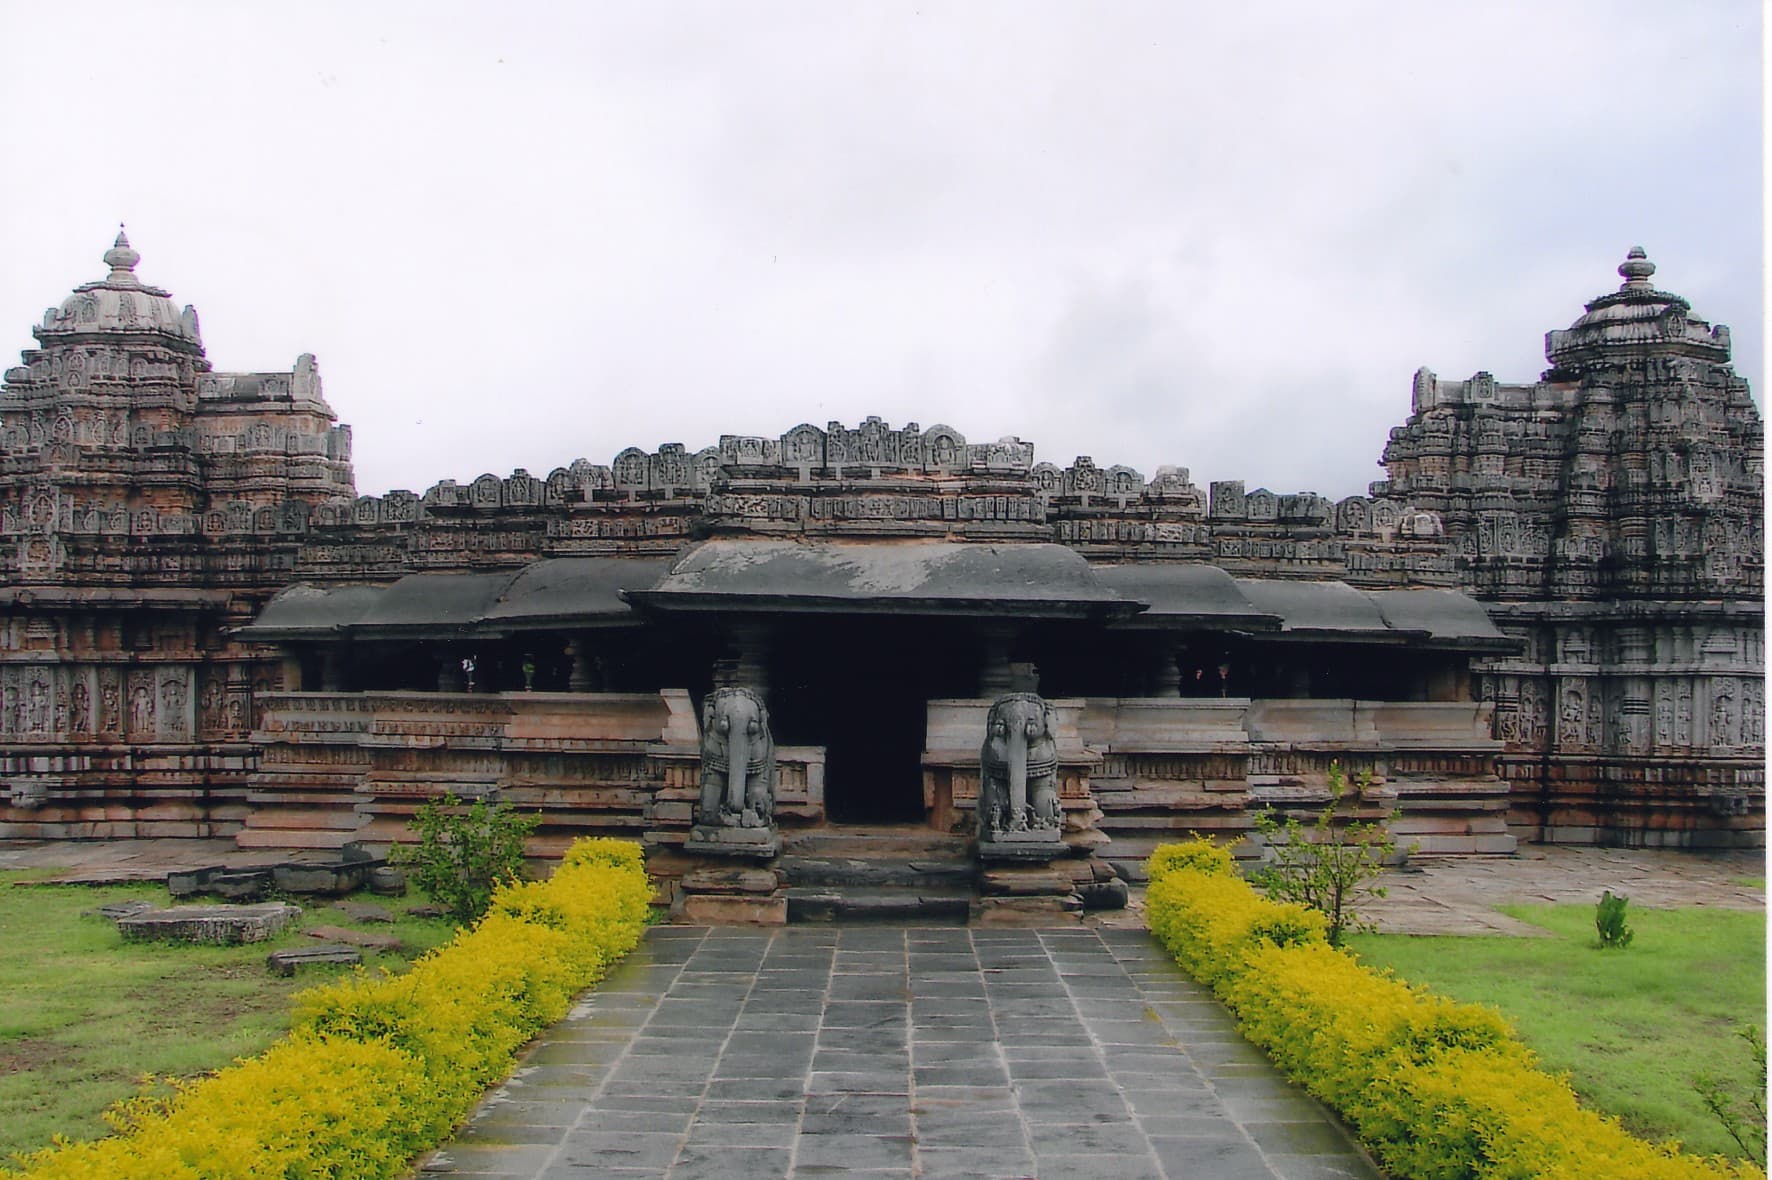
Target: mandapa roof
(1012, 580)
(585, 591)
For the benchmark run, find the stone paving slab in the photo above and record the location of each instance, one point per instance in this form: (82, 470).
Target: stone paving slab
(898, 1051)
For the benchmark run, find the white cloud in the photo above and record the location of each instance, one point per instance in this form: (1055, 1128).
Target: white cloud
(1220, 239)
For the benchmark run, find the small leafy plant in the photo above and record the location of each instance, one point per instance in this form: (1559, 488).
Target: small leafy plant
(464, 852)
(1328, 868)
(1743, 1115)
(1609, 921)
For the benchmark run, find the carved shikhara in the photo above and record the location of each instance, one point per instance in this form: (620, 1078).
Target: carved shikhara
(1018, 773)
(737, 761)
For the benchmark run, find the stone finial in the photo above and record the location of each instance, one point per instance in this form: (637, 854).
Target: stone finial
(1636, 269)
(121, 257)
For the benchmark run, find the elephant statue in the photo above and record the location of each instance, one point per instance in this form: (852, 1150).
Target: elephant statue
(1018, 772)
(737, 761)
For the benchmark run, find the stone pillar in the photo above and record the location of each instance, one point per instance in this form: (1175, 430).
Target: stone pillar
(332, 669)
(292, 678)
(748, 666)
(583, 676)
(448, 672)
(995, 677)
(1166, 675)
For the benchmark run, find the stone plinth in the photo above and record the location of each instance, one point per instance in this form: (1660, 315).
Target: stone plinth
(1024, 848)
(1024, 882)
(225, 924)
(748, 843)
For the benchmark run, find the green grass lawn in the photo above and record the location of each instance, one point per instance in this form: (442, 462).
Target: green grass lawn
(1631, 1027)
(84, 1015)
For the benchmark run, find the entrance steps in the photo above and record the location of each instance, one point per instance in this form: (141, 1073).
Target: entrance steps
(881, 874)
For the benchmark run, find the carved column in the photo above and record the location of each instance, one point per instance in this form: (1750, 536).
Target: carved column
(332, 668)
(995, 677)
(747, 665)
(449, 677)
(1166, 674)
(583, 676)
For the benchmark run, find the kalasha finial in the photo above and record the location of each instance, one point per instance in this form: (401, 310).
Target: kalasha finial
(1636, 268)
(120, 257)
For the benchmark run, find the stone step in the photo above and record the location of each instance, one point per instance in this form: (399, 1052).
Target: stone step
(933, 906)
(853, 871)
(885, 841)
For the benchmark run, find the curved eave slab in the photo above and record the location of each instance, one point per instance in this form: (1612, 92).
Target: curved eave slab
(1186, 596)
(885, 577)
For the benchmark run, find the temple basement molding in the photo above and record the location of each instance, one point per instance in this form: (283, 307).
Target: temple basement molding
(1546, 624)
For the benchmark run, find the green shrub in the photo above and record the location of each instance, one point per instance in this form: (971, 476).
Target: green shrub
(1743, 1116)
(1196, 853)
(1437, 1090)
(463, 853)
(1609, 921)
(379, 1068)
(1326, 867)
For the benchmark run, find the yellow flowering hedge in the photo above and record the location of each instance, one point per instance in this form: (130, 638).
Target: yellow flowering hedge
(379, 1068)
(1437, 1090)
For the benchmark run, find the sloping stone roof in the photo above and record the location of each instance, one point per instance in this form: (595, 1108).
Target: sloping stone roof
(896, 577)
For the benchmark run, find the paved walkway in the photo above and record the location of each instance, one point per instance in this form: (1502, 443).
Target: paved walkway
(879, 1051)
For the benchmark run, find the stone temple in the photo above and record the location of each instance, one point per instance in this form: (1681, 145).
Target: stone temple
(1545, 624)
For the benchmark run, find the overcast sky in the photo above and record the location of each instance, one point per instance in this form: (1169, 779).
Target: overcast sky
(1154, 233)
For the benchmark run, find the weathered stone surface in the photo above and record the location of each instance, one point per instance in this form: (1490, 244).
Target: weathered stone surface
(718, 909)
(427, 911)
(387, 881)
(240, 884)
(746, 843)
(119, 909)
(227, 924)
(1036, 849)
(285, 962)
(188, 882)
(373, 940)
(360, 911)
(329, 880)
(731, 881)
(1027, 911)
(1104, 895)
(1028, 882)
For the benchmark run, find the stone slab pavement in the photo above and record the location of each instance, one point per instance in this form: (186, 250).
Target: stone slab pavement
(876, 1051)
(1458, 894)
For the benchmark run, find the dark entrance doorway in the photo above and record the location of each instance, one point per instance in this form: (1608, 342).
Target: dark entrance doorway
(859, 687)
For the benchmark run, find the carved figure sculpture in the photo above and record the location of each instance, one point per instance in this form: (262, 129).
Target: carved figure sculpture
(1018, 772)
(737, 761)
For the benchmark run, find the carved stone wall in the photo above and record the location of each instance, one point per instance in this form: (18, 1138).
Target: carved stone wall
(1611, 516)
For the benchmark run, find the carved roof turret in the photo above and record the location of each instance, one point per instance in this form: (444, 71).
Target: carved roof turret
(120, 302)
(1634, 319)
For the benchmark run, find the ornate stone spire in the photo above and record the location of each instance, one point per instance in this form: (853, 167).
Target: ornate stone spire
(121, 302)
(1636, 269)
(1631, 320)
